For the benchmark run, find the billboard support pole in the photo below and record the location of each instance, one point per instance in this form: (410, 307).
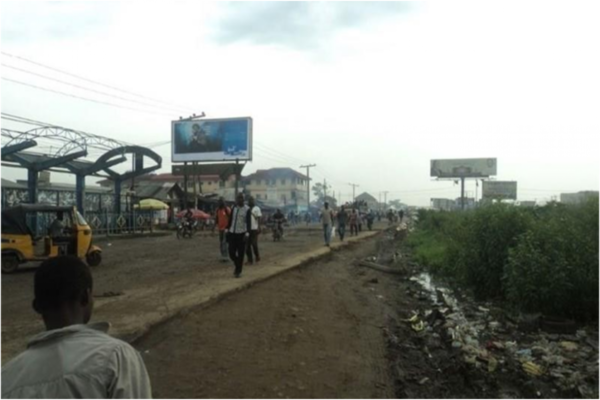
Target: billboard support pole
(195, 175)
(185, 185)
(237, 176)
(462, 192)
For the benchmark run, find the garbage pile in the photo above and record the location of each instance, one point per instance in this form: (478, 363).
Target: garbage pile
(487, 340)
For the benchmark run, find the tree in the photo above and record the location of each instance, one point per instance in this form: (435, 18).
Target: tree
(397, 204)
(320, 198)
(318, 191)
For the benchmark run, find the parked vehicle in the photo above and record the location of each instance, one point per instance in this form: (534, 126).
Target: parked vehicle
(20, 244)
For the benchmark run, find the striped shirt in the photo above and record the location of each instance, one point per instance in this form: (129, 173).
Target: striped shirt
(239, 220)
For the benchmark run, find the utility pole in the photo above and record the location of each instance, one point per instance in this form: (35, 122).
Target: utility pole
(354, 186)
(308, 167)
(385, 198)
(324, 189)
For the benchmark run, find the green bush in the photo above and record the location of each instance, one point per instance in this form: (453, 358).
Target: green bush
(491, 232)
(543, 259)
(554, 267)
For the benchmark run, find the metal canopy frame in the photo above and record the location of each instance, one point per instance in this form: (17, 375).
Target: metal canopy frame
(75, 145)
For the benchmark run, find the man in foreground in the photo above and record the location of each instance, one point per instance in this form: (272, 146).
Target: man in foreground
(72, 359)
(238, 233)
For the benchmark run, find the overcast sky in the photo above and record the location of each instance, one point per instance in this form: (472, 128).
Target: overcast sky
(370, 92)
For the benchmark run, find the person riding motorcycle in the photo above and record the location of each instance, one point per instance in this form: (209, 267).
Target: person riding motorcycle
(188, 218)
(279, 218)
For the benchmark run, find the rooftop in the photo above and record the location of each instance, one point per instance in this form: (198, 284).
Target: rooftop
(366, 197)
(275, 173)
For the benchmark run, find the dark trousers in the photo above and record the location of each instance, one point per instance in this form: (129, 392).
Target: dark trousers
(252, 246)
(341, 230)
(237, 247)
(353, 229)
(223, 244)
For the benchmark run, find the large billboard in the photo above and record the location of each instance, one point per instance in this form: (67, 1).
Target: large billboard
(500, 190)
(466, 167)
(212, 139)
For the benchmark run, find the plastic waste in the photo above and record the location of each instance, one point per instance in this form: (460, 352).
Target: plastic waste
(532, 368)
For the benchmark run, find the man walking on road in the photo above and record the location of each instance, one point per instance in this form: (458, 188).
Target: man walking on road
(72, 359)
(401, 212)
(222, 221)
(327, 219)
(238, 233)
(353, 222)
(255, 216)
(342, 219)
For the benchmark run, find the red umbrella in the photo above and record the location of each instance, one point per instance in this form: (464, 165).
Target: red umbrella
(197, 214)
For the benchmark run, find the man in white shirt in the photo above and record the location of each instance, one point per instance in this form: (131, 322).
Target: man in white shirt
(238, 233)
(255, 216)
(71, 359)
(327, 219)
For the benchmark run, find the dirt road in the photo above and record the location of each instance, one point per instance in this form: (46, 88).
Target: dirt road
(316, 332)
(146, 276)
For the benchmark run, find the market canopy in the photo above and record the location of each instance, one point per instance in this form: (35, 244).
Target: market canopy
(151, 204)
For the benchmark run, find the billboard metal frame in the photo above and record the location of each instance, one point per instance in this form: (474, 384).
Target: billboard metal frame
(463, 176)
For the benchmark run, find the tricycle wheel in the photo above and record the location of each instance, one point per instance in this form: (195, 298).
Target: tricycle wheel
(10, 263)
(94, 258)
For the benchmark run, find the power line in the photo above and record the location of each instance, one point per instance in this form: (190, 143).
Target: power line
(297, 160)
(92, 81)
(90, 90)
(84, 98)
(273, 160)
(422, 190)
(280, 158)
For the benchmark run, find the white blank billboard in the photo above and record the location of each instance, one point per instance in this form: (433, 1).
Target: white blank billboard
(464, 167)
(499, 190)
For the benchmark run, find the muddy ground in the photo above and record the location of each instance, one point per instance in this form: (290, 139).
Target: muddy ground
(329, 329)
(316, 332)
(155, 266)
(334, 329)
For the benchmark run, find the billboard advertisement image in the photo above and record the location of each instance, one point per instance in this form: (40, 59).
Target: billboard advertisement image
(466, 167)
(212, 139)
(499, 190)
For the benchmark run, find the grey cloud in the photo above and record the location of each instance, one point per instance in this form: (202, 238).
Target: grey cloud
(298, 25)
(40, 21)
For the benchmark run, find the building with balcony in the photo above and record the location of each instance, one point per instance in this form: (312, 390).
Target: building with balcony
(278, 187)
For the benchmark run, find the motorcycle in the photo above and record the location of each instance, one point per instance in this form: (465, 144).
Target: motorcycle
(277, 231)
(186, 229)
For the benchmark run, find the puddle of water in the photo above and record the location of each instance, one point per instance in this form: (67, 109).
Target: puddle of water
(434, 290)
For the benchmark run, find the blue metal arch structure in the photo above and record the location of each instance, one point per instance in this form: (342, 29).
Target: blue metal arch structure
(74, 146)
